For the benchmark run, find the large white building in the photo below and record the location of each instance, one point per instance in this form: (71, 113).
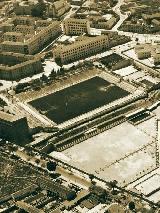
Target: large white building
(81, 48)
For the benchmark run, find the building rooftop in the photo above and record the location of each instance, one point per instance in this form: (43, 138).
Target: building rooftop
(82, 42)
(27, 207)
(9, 117)
(13, 33)
(75, 20)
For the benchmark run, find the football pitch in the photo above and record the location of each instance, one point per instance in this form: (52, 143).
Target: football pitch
(78, 99)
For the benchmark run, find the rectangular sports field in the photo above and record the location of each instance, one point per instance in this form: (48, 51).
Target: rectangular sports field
(78, 99)
(123, 153)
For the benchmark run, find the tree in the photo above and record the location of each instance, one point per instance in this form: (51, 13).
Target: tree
(37, 161)
(39, 9)
(44, 78)
(12, 148)
(52, 75)
(51, 165)
(71, 195)
(113, 184)
(131, 205)
(91, 177)
(61, 71)
(58, 72)
(58, 61)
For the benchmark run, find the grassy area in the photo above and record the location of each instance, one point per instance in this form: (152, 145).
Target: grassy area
(78, 99)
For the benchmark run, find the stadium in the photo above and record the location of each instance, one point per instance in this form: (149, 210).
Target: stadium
(81, 106)
(93, 93)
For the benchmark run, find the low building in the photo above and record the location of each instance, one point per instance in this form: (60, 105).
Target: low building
(100, 22)
(77, 2)
(5, 8)
(57, 189)
(156, 22)
(14, 128)
(136, 28)
(24, 7)
(21, 194)
(54, 9)
(142, 51)
(28, 207)
(74, 26)
(152, 16)
(156, 57)
(15, 66)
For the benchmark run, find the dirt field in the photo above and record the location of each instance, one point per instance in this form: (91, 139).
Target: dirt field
(120, 153)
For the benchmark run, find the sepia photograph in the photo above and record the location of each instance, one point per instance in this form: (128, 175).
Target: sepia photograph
(79, 106)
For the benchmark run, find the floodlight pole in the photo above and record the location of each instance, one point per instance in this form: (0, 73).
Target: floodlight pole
(158, 142)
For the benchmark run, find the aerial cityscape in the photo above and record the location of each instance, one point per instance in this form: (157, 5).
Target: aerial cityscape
(80, 106)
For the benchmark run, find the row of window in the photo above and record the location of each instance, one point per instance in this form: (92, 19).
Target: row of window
(80, 51)
(78, 55)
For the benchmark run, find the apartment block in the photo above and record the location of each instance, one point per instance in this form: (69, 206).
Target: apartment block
(25, 29)
(73, 26)
(58, 8)
(81, 48)
(101, 23)
(136, 28)
(15, 66)
(13, 36)
(36, 34)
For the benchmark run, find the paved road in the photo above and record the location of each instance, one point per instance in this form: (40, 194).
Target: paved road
(72, 177)
(117, 10)
(141, 37)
